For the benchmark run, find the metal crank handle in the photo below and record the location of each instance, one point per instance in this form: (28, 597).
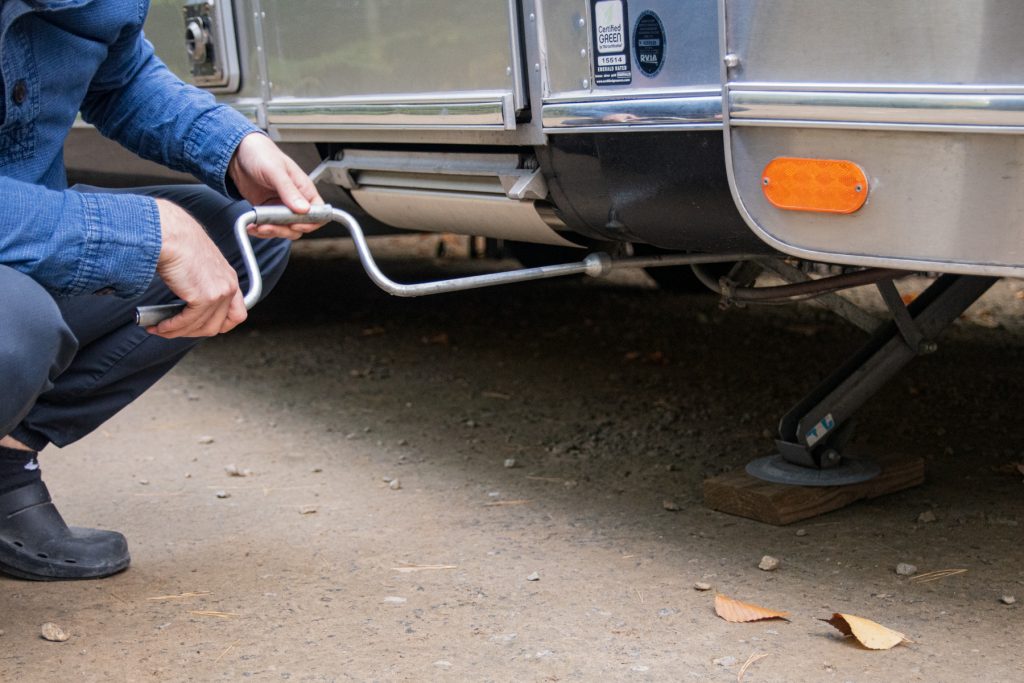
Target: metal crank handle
(595, 265)
(147, 316)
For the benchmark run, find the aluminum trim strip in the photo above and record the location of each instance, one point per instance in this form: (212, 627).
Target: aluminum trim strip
(864, 87)
(857, 109)
(663, 113)
(860, 125)
(393, 113)
(631, 93)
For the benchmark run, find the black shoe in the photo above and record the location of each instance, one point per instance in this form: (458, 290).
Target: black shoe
(36, 544)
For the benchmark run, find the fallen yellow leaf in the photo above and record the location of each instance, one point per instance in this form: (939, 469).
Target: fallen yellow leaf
(870, 634)
(738, 612)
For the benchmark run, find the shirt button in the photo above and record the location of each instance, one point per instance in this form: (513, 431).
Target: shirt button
(20, 92)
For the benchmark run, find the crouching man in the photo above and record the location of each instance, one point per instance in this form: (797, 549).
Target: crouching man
(75, 263)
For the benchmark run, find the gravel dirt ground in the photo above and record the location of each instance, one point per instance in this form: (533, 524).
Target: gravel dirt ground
(379, 534)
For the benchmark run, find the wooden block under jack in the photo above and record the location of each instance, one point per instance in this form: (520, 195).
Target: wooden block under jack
(738, 493)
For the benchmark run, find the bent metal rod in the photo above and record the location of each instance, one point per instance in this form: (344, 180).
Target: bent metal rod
(595, 265)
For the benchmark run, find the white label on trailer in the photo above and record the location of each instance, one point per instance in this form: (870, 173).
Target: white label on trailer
(610, 23)
(610, 26)
(820, 430)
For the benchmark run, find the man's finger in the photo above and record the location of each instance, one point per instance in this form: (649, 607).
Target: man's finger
(236, 314)
(180, 324)
(303, 183)
(288, 232)
(287, 190)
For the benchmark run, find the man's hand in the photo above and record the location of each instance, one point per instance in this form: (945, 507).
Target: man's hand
(264, 175)
(191, 265)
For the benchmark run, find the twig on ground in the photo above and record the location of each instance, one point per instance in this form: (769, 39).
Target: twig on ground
(408, 568)
(179, 596)
(754, 657)
(936, 575)
(226, 650)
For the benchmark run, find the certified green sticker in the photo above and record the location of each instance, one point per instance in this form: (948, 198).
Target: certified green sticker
(611, 42)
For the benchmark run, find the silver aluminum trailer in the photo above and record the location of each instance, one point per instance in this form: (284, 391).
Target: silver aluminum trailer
(882, 133)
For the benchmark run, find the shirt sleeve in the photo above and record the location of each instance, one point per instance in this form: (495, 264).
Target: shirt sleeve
(136, 100)
(75, 243)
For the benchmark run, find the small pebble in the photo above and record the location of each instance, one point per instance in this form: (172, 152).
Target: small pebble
(724, 661)
(206, 440)
(533, 577)
(233, 471)
(394, 485)
(670, 505)
(52, 632)
(1, 632)
(1007, 599)
(144, 482)
(801, 532)
(394, 600)
(223, 494)
(510, 463)
(701, 586)
(926, 517)
(307, 509)
(768, 563)
(906, 569)
(317, 470)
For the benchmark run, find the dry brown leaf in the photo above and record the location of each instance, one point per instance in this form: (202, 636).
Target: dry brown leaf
(738, 612)
(870, 634)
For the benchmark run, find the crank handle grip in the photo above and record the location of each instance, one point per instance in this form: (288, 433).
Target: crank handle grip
(147, 316)
(282, 215)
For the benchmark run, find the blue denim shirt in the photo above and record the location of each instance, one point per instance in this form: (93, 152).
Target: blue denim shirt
(62, 56)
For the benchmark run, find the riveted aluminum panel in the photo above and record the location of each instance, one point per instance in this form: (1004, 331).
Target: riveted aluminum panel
(320, 50)
(925, 97)
(877, 41)
(691, 49)
(938, 201)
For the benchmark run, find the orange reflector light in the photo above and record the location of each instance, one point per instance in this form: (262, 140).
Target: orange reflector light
(826, 185)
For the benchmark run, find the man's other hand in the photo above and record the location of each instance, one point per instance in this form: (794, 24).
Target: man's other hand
(265, 175)
(191, 265)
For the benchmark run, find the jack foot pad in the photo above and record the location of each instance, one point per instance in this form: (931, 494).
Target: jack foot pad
(777, 470)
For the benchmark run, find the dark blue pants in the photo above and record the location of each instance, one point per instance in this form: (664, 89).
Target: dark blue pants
(68, 365)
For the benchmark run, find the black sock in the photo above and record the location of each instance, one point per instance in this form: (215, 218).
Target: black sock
(17, 468)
